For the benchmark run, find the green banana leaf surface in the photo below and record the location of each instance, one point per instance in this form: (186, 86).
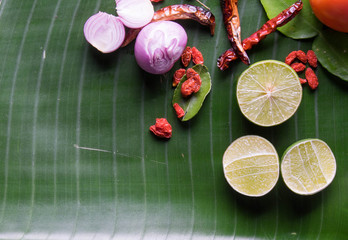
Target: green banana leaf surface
(77, 159)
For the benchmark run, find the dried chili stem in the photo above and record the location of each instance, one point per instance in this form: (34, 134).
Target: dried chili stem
(270, 26)
(205, 6)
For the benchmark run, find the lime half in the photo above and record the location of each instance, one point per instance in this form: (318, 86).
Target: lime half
(251, 165)
(269, 92)
(308, 166)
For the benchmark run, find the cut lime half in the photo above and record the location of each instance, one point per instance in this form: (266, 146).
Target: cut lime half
(251, 165)
(269, 92)
(308, 166)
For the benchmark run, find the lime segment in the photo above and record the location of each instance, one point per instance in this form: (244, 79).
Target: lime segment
(251, 165)
(269, 92)
(308, 166)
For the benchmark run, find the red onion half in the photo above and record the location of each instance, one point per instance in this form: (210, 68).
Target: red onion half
(104, 31)
(135, 13)
(159, 45)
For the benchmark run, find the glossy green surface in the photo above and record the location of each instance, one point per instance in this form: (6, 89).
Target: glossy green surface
(78, 161)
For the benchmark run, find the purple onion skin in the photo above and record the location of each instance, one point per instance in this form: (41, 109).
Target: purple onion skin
(159, 45)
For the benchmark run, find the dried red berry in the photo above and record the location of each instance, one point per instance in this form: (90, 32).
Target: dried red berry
(188, 87)
(291, 57)
(300, 55)
(312, 58)
(162, 128)
(303, 81)
(298, 67)
(186, 56)
(197, 56)
(192, 84)
(178, 75)
(312, 79)
(179, 111)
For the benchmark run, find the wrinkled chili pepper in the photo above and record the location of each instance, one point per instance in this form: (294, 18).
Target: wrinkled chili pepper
(175, 12)
(156, 0)
(312, 78)
(270, 26)
(178, 76)
(192, 84)
(162, 128)
(197, 56)
(186, 56)
(298, 67)
(179, 111)
(312, 58)
(232, 25)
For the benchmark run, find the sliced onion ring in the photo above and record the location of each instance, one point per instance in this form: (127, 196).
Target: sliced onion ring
(104, 31)
(135, 13)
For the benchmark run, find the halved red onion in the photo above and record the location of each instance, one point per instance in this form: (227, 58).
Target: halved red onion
(159, 45)
(135, 13)
(104, 31)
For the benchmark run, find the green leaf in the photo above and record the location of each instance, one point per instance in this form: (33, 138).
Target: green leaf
(331, 48)
(77, 159)
(192, 104)
(304, 25)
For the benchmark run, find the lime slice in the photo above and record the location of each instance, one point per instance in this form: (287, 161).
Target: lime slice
(251, 165)
(308, 166)
(269, 92)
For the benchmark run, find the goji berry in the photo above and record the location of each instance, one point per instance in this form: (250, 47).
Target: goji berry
(197, 56)
(188, 87)
(312, 58)
(191, 73)
(162, 128)
(303, 81)
(186, 56)
(179, 111)
(298, 67)
(178, 75)
(312, 79)
(300, 55)
(291, 57)
(192, 84)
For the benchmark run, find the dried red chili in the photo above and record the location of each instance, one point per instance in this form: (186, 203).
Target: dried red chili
(186, 56)
(175, 12)
(312, 78)
(269, 27)
(179, 111)
(162, 128)
(312, 58)
(192, 84)
(177, 76)
(197, 56)
(298, 67)
(156, 0)
(232, 24)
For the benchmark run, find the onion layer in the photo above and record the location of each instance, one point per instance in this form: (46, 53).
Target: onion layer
(104, 31)
(159, 45)
(135, 13)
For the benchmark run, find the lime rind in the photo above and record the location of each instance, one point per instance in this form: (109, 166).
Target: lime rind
(261, 162)
(310, 174)
(252, 93)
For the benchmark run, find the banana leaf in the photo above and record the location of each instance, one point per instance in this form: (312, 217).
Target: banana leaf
(77, 160)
